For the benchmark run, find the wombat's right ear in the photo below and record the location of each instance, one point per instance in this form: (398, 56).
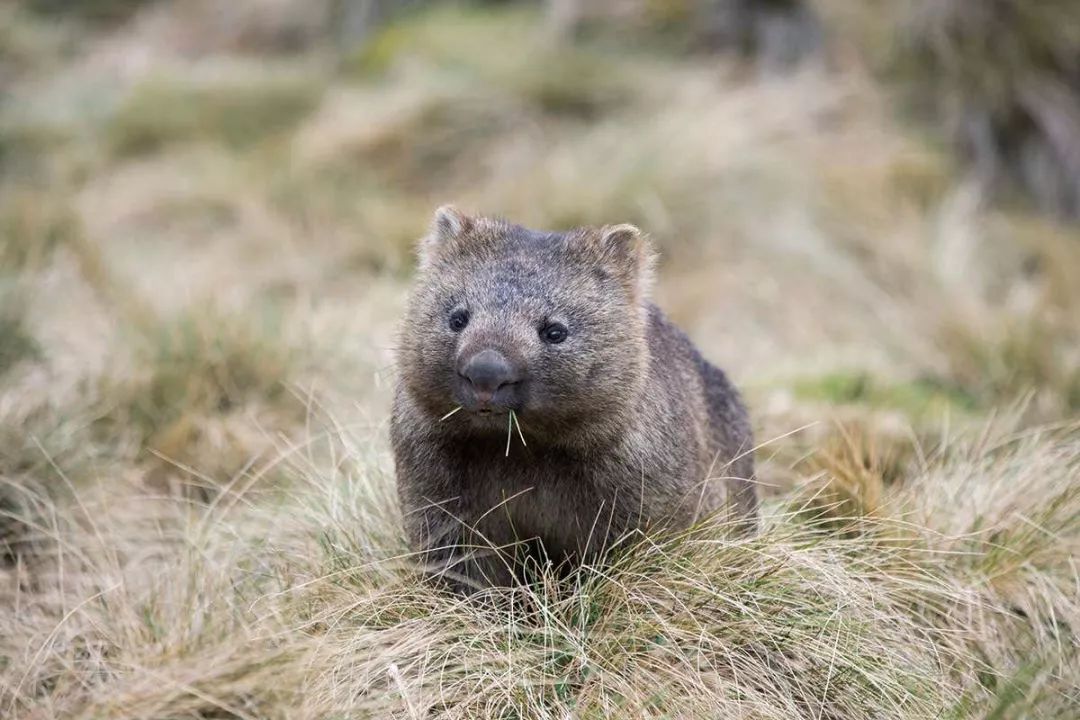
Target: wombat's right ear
(448, 224)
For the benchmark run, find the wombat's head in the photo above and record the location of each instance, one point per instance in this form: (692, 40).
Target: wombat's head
(550, 325)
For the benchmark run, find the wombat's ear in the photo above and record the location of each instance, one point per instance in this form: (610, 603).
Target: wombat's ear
(630, 254)
(448, 224)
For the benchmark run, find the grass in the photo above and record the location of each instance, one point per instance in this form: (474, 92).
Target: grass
(17, 343)
(507, 51)
(1000, 81)
(919, 397)
(194, 287)
(919, 618)
(240, 113)
(33, 223)
(210, 389)
(28, 46)
(1022, 357)
(211, 362)
(93, 10)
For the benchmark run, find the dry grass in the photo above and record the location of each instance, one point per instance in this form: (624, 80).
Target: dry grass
(241, 112)
(201, 262)
(306, 608)
(1000, 78)
(32, 224)
(16, 342)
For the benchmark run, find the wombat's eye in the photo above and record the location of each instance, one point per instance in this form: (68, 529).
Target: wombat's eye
(458, 320)
(554, 333)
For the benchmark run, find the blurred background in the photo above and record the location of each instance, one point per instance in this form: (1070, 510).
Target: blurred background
(867, 210)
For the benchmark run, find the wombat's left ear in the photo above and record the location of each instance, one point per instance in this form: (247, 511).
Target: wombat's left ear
(448, 224)
(629, 252)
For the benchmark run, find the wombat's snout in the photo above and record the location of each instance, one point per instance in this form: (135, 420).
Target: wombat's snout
(487, 372)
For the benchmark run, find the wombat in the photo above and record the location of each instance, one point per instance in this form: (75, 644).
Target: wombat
(545, 406)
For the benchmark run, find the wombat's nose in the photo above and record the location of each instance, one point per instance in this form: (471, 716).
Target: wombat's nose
(487, 371)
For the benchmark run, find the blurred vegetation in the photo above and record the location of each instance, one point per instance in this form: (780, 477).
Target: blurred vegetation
(916, 398)
(94, 10)
(26, 45)
(202, 362)
(241, 114)
(1002, 79)
(16, 341)
(200, 379)
(504, 52)
(33, 223)
(1024, 357)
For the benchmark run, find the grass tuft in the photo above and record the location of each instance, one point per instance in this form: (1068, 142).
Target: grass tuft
(311, 605)
(239, 113)
(999, 78)
(33, 224)
(211, 388)
(506, 50)
(920, 397)
(850, 471)
(1022, 357)
(17, 343)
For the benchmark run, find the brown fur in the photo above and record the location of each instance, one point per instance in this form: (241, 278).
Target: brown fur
(627, 425)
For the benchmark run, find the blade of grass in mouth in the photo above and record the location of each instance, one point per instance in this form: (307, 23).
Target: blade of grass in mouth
(517, 423)
(509, 432)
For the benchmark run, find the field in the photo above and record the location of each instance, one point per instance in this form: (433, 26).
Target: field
(206, 236)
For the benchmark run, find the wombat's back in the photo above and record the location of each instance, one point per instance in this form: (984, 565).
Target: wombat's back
(703, 404)
(734, 440)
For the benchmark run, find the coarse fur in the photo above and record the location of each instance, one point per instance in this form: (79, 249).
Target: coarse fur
(626, 425)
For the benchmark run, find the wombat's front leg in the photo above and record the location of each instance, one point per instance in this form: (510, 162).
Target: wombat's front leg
(449, 551)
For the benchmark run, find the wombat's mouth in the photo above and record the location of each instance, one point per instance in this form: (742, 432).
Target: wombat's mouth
(482, 402)
(487, 417)
(489, 411)
(485, 420)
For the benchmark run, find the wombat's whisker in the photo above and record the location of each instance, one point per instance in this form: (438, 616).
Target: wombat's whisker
(521, 435)
(450, 413)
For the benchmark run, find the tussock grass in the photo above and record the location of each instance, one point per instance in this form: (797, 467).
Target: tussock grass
(847, 474)
(309, 608)
(241, 112)
(92, 10)
(206, 359)
(916, 398)
(33, 223)
(1001, 78)
(17, 342)
(506, 50)
(414, 136)
(1023, 356)
(208, 385)
(27, 46)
